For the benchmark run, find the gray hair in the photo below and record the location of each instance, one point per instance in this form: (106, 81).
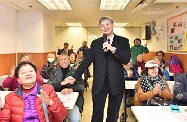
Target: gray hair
(62, 54)
(24, 55)
(105, 18)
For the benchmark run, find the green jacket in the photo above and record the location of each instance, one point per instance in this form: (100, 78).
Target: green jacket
(136, 50)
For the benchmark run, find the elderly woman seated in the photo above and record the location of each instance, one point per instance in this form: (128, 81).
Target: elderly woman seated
(31, 102)
(151, 84)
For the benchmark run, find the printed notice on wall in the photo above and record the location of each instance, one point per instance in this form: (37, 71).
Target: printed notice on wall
(177, 33)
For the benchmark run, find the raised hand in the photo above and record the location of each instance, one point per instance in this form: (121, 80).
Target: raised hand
(130, 74)
(12, 70)
(45, 98)
(145, 45)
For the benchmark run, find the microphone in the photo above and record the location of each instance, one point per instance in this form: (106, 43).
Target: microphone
(104, 40)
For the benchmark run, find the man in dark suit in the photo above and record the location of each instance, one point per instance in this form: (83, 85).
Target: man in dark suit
(108, 71)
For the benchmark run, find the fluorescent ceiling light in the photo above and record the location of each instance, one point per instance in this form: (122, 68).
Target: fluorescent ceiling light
(170, 1)
(139, 7)
(113, 4)
(74, 24)
(120, 24)
(56, 4)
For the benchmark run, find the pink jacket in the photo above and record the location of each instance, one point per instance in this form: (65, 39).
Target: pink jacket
(12, 82)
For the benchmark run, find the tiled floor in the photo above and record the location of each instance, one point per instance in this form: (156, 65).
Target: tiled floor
(86, 115)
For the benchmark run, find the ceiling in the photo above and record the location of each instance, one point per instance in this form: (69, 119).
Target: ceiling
(87, 11)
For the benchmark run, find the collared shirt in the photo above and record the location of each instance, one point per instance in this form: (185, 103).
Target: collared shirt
(111, 39)
(30, 113)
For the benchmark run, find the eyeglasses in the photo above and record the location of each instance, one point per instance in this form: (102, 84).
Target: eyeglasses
(105, 25)
(156, 68)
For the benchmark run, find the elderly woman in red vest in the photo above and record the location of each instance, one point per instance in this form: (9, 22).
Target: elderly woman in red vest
(31, 102)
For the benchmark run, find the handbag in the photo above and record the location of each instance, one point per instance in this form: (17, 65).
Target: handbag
(158, 101)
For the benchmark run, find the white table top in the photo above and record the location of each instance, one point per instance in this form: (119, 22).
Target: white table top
(68, 100)
(130, 84)
(158, 114)
(2, 78)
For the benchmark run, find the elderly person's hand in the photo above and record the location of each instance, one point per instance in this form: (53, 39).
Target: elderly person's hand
(12, 70)
(45, 98)
(67, 80)
(145, 45)
(66, 91)
(107, 47)
(157, 89)
(70, 79)
(130, 74)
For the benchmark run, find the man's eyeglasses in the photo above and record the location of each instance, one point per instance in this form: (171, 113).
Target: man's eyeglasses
(105, 25)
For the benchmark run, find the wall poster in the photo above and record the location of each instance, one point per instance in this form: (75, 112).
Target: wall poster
(177, 33)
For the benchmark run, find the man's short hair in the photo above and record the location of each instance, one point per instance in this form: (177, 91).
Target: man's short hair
(138, 40)
(66, 43)
(160, 52)
(63, 53)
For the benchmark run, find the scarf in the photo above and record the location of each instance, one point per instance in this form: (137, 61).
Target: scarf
(148, 83)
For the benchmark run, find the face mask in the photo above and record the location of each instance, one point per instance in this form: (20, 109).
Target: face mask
(50, 59)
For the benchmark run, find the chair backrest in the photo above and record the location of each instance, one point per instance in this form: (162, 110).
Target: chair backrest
(175, 75)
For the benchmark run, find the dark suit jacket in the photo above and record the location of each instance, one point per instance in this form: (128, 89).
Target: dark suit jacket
(114, 64)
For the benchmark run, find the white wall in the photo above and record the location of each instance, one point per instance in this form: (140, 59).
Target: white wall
(48, 34)
(161, 44)
(35, 32)
(30, 32)
(7, 29)
(75, 36)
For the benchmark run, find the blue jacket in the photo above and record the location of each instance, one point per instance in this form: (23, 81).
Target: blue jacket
(135, 74)
(166, 73)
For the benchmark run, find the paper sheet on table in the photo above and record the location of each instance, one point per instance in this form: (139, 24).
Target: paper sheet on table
(68, 100)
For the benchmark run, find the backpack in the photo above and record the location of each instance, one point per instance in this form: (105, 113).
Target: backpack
(175, 65)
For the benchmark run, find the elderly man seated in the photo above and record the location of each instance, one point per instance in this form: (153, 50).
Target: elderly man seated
(58, 80)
